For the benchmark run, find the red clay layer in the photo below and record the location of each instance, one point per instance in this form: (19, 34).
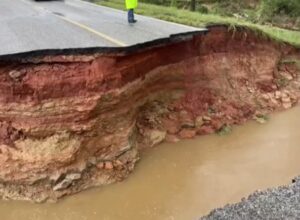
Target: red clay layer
(71, 122)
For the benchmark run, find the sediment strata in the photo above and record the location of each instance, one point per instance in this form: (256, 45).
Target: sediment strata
(70, 122)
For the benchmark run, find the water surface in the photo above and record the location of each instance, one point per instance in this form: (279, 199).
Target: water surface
(186, 180)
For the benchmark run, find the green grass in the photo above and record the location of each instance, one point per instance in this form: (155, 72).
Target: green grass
(197, 19)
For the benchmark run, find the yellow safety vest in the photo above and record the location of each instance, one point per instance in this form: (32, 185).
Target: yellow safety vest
(131, 4)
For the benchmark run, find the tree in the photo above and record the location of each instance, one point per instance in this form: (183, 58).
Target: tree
(193, 5)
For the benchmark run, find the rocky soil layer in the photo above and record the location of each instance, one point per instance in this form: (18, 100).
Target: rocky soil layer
(278, 203)
(71, 122)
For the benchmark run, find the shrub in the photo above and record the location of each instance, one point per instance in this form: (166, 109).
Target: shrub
(270, 8)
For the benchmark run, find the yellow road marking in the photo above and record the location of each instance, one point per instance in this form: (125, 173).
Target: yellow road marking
(82, 26)
(106, 37)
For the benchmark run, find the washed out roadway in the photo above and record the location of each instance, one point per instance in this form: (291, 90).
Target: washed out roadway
(28, 26)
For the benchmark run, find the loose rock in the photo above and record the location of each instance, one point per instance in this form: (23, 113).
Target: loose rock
(108, 165)
(279, 203)
(172, 138)
(206, 118)
(100, 165)
(187, 133)
(65, 183)
(15, 74)
(199, 122)
(157, 136)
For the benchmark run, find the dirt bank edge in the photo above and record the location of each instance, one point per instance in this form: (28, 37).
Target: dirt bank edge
(73, 122)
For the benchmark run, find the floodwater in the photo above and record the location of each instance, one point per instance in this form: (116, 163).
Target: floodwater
(187, 179)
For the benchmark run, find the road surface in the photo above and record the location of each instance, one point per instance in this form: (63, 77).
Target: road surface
(28, 26)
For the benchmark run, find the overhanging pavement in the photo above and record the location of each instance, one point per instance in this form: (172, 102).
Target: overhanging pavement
(28, 26)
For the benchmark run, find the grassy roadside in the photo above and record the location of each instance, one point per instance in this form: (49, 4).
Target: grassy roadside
(200, 20)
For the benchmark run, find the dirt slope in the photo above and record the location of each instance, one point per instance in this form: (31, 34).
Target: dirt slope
(71, 122)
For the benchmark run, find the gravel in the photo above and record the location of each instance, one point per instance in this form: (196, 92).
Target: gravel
(278, 203)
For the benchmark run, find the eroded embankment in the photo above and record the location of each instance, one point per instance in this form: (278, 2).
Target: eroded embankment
(72, 122)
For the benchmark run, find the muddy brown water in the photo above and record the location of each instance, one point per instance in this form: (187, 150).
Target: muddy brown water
(186, 180)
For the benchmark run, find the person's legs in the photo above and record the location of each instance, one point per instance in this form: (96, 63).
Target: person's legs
(131, 16)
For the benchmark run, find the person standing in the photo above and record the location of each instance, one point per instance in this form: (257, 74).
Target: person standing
(131, 5)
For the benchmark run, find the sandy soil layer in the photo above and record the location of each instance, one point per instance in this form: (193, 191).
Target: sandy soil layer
(72, 122)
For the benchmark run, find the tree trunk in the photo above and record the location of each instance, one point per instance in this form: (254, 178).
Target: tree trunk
(193, 5)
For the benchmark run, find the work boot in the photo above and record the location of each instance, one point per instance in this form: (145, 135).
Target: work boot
(132, 21)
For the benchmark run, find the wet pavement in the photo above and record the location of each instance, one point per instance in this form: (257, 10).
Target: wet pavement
(27, 25)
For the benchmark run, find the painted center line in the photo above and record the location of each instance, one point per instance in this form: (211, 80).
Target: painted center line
(82, 26)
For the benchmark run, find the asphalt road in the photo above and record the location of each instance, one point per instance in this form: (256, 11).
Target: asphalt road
(27, 26)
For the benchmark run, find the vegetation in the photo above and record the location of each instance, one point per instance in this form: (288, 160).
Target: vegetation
(271, 8)
(292, 61)
(261, 118)
(224, 130)
(279, 12)
(198, 19)
(282, 82)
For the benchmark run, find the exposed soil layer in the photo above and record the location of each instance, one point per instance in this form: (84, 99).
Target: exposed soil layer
(72, 122)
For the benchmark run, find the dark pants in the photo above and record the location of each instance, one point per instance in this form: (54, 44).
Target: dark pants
(130, 15)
